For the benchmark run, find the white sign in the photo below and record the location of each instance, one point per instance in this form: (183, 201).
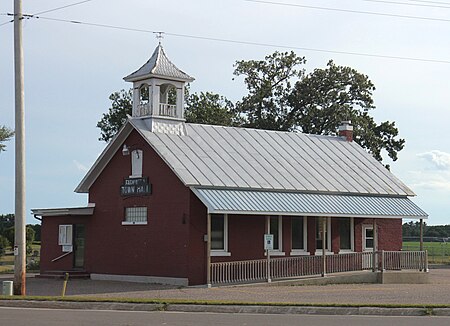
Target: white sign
(268, 241)
(16, 250)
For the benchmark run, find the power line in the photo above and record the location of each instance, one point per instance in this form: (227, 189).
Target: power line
(63, 7)
(410, 4)
(347, 10)
(216, 39)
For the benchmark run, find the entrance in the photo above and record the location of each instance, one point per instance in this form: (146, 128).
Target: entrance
(79, 245)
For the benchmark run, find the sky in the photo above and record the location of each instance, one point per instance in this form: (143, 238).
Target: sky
(71, 69)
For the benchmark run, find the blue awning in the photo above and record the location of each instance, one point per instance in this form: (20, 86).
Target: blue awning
(252, 202)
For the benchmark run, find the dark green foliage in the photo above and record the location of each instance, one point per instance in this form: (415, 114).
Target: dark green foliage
(210, 108)
(5, 135)
(4, 244)
(33, 231)
(317, 102)
(111, 122)
(412, 229)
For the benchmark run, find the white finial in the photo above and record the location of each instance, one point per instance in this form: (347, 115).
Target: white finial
(159, 36)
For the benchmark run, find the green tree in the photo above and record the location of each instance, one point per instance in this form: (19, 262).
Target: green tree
(210, 108)
(281, 96)
(111, 122)
(205, 107)
(4, 244)
(5, 135)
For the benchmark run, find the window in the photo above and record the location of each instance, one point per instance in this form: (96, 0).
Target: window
(136, 163)
(298, 234)
(368, 237)
(320, 233)
(65, 235)
(135, 215)
(219, 235)
(276, 228)
(144, 94)
(346, 233)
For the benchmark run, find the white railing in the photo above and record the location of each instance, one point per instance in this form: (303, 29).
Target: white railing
(143, 110)
(291, 267)
(167, 110)
(398, 260)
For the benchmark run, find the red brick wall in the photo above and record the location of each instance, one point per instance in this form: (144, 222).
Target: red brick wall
(156, 249)
(389, 233)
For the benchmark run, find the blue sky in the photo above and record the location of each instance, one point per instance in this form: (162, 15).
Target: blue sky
(71, 69)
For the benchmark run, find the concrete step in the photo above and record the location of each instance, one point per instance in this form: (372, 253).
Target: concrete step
(61, 274)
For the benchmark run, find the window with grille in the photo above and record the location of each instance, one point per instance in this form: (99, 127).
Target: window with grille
(135, 215)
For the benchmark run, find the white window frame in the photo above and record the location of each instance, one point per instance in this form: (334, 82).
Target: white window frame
(223, 252)
(299, 252)
(352, 237)
(65, 237)
(327, 251)
(125, 222)
(279, 251)
(364, 238)
(137, 158)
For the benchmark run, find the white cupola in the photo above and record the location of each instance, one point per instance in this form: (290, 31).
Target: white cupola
(158, 94)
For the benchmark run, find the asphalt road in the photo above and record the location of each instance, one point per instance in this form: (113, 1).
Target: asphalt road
(52, 317)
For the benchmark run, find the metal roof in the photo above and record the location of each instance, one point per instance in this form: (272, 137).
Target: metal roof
(67, 211)
(229, 157)
(253, 202)
(160, 66)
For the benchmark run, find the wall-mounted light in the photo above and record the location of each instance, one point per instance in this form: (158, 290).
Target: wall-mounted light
(126, 149)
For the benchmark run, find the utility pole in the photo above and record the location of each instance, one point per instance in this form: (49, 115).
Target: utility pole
(19, 216)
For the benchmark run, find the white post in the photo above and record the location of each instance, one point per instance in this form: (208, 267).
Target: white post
(208, 250)
(19, 215)
(324, 258)
(268, 251)
(375, 245)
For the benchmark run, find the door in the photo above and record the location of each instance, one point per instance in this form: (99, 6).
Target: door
(367, 246)
(79, 245)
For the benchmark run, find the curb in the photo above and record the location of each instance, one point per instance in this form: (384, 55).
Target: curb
(302, 310)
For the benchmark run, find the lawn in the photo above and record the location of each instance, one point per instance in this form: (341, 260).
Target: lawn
(438, 252)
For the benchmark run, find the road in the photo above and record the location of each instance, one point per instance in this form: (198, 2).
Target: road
(53, 317)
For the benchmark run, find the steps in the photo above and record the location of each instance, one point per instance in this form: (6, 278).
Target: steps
(74, 274)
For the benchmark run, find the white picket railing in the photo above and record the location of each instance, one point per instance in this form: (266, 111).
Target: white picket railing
(167, 110)
(290, 267)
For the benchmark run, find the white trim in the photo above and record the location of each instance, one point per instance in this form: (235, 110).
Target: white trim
(279, 251)
(133, 223)
(364, 228)
(275, 253)
(298, 252)
(65, 235)
(220, 253)
(305, 236)
(352, 237)
(141, 279)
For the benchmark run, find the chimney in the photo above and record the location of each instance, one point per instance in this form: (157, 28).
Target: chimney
(346, 130)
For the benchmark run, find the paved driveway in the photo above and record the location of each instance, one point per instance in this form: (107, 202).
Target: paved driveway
(438, 292)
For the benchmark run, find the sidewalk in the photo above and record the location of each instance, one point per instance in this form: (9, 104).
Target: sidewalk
(438, 292)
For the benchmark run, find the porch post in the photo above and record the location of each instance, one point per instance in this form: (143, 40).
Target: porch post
(269, 279)
(375, 245)
(208, 250)
(421, 234)
(324, 241)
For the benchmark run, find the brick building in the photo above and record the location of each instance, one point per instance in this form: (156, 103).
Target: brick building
(167, 199)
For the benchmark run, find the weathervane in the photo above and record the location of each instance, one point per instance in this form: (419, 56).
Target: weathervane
(159, 36)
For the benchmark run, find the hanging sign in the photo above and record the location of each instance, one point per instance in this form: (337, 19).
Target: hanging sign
(135, 187)
(268, 241)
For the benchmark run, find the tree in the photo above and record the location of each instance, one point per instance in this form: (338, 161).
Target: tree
(5, 135)
(283, 97)
(206, 107)
(4, 243)
(210, 108)
(116, 117)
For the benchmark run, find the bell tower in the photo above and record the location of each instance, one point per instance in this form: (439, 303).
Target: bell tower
(158, 94)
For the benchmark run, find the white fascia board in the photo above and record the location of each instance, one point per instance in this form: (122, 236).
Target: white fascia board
(104, 158)
(212, 211)
(66, 211)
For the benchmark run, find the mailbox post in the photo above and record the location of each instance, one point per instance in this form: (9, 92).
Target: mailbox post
(268, 246)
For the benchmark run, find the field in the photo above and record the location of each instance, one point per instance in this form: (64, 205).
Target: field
(438, 252)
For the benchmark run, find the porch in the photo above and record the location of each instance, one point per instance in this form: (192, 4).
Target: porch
(261, 270)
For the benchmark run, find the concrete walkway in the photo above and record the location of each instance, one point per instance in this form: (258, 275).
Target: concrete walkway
(437, 292)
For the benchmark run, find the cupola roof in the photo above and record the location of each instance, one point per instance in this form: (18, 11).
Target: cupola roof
(159, 66)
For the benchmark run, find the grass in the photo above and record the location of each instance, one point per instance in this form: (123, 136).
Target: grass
(438, 252)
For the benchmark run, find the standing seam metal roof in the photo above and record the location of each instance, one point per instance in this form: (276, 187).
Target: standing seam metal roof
(240, 158)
